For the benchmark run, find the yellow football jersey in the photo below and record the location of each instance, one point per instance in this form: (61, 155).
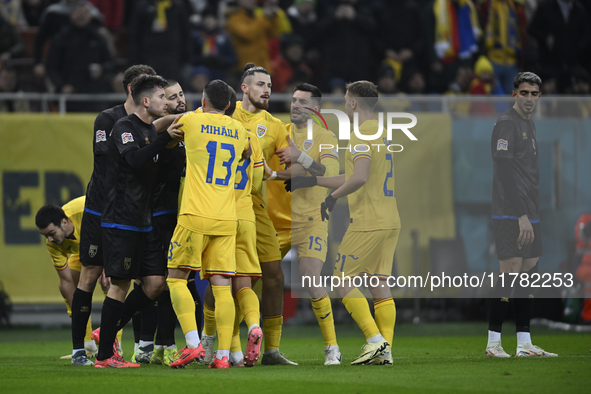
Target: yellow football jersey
(243, 185)
(59, 253)
(373, 206)
(214, 144)
(271, 134)
(295, 209)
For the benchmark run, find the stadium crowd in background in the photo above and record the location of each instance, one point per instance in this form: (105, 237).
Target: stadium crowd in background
(412, 46)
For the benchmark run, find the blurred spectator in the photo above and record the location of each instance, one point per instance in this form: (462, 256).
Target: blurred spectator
(9, 84)
(250, 34)
(112, 11)
(484, 84)
(31, 12)
(56, 17)
(117, 83)
(416, 83)
(504, 39)
(461, 82)
(561, 29)
(387, 80)
(160, 36)
(400, 38)
(212, 47)
(271, 7)
(452, 32)
(198, 78)
(579, 86)
(10, 11)
(304, 22)
(349, 33)
(11, 42)
(78, 57)
(290, 62)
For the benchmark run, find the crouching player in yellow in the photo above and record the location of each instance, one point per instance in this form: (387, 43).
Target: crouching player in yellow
(205, 236)
(308, 231)
(61, 228)
(370, 241)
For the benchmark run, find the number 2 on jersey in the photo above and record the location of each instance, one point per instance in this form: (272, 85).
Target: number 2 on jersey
(212, 150)
(387, 192)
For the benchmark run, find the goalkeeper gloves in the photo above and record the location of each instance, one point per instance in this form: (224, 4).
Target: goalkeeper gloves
(300, 182)
(327, 206)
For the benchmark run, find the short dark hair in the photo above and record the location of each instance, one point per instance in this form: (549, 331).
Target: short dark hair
(526, 76)
(170, 82)
(365, 90)
(135, 71)
(307, 87)
(145, 85)
(250, 69)
(217, 93)
(230, 111)
(49, 214)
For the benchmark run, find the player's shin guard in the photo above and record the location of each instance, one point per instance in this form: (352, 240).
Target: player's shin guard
(272, 326)
(498, 307)
(385, 312)
(358, 308)
(183, 304)
(249, 305)
(166, 320)
(224, 315)
(110, 316)
(81, 308)
(192, 286)
(209, 326)
(323, 311)
(236, 346)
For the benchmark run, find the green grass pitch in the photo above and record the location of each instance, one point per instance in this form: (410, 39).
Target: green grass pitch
(429, 358)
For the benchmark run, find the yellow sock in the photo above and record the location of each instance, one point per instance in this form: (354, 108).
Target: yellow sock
(385, 311)
(323, 311)
(119, 334)
(68, 307)
(358, 308)
(209, 327)
(236, 345)
(183, 304)
(249, 305)
(88, 336)
(272, 331)
(224, 315)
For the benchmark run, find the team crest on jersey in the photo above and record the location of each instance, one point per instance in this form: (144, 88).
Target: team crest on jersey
(92, 251)
(502, 144)
(261, 130)
(101, 136)
(308, 144)
(147, 141)
(524, 135)
(126, 137)
(127, 263)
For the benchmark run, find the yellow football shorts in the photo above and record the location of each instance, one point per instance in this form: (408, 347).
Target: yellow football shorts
(268, 248)
(74, 262)
(369, 252)
(247, 261)
(210, 254)
(311, 240)
(284, 236)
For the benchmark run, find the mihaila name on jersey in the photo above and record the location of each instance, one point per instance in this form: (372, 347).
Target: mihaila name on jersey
(209, 129)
